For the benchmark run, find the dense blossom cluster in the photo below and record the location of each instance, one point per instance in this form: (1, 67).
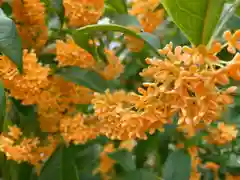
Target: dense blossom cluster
(187, 83)
(30, 19)
(148, 13)
(83, 12)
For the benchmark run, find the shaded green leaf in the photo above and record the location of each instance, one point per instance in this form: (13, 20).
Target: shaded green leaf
(2, 105)
(10, 42)
(126, 20)
(24, 116)
(84, 77)
(124, 158)
(6, 8)
(60, 166)
(58, 6)
(18, 171)
(152, 39)
(197, 19)
(140, 174)
(177, 166)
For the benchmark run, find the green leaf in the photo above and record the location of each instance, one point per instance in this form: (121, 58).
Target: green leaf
(119, 5)
(87, 159)
(84, 77)
(10, 42)
(59, 8)
(126, 20)
(6, 8)
(17, 171)
(24, 116)
(116, 28)
(2, 105)
(196, 18)
(152, 39)
(60, 166)
(177, 166)
(109, 11)
(140, 174)
(124, 158)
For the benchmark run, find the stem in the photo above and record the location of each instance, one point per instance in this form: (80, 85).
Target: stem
(229, 13)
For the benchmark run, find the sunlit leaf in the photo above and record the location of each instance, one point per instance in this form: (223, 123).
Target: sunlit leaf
(196, 18)
(119, 5)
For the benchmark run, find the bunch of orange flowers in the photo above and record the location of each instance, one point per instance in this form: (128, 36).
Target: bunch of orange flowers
(187, 82)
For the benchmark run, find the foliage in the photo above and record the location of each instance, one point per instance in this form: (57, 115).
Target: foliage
(117, 89)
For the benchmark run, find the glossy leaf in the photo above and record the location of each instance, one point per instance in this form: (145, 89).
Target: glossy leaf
(197, 19)
(115, 28)
(177, 166)
(60, 166)
(84, 77)
(124, 158)
(10, 42)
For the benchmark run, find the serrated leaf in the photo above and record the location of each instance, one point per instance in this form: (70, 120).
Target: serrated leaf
(84, 77)
(196, 18)
(124, 158)
(10, 42)
(2, 105)
(60, 166)
(177, 166)
(140, 174)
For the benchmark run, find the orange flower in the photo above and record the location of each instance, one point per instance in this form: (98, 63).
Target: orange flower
(83, 12)
(134, 44)
(113, 67)
(29, 16)
(148, 13)
(214, 167)
(26, 86)
(76, 130)
(70, 54)
(14, 132)
(232, 177)
(223, 134)
(233, 41)
(106, 163)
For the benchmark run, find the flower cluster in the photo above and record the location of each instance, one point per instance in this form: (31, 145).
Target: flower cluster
(148, 13)
(83, 12)
(187, 84)
(20, 149)
(29, 16)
